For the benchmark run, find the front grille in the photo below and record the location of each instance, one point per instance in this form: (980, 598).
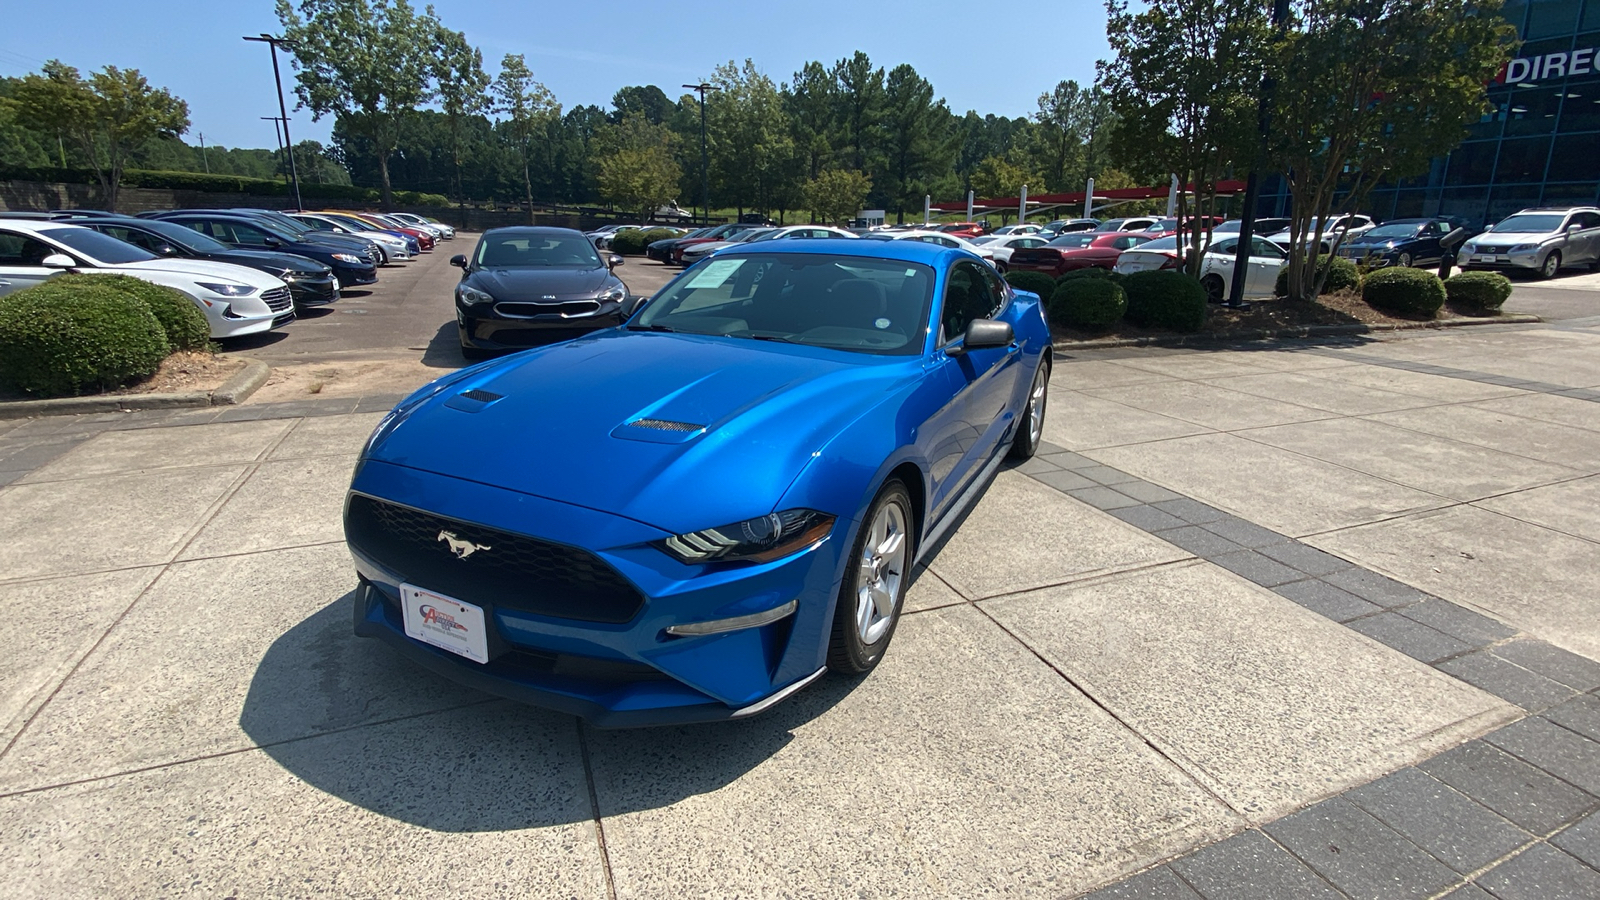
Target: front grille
(567, 309)
(278, 299)
(280, 321)
(505, 571)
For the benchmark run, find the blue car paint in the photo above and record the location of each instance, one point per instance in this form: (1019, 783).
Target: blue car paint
(786, 426)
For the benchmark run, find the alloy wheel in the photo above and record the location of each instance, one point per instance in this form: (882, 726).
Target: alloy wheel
(883, 564)
(1036, 401)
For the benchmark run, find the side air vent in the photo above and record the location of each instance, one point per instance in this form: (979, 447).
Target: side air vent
(665, 425)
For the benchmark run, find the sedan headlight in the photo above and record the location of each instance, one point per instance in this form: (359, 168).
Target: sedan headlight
(615, 295)
(762, 539)
(471, 296)
(350, 258)
(226, 289)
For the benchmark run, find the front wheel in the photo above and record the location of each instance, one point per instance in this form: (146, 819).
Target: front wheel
(874, 586)
(1030, 429)
(1214, 288)
(1552, 265)
(1000, 266)
(1404, 260)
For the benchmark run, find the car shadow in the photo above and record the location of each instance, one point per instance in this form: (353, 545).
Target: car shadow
(444, 349)
(252, 341)
(314, 312)
(351, 718)
(353, 292)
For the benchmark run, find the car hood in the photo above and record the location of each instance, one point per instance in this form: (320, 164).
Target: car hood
(539, 281)
(708, 246)
(277, 261)
(1511, 238)
(1362, 240)
(561, 427)
(208, 270)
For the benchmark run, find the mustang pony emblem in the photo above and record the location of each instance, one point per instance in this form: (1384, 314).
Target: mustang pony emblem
(462, 549)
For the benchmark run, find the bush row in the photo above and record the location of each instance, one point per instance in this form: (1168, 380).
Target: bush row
(231, 184)
(93, 332)
(633, 241)
(1095, 299)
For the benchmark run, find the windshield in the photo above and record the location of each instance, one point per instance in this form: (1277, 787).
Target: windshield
(346, 221)
(1403, 230)
(985, 240)
(843, 302)
(523, 250)
(1166, 243)
(1074, 241)
(187, 238)
(1530, 224)
(100, 247)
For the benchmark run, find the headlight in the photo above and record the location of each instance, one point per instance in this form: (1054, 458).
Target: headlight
(225, 289)
(350, 258)
(761, 539)
(1469, 247)
(1524, 248)
(470, 296)
(615, 295)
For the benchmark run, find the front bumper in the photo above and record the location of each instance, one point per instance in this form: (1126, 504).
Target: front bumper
(316, 291)
(491, 332)
(349, 276)
(1493, 258)
(610, 673)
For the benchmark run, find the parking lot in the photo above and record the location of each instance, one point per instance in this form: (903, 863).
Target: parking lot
(1290, 620)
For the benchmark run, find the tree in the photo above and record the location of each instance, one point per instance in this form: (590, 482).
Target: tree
(1369, 90)
(369, 59)
(997, 176)
(648, 100)
(463, 85)
(1063, 119)
(1183, 87)
(527, 105)
(636, 167)
(749, 142)
(836, 195)
(811, 103)
(860, 110)
(918, 142)
(109, 116)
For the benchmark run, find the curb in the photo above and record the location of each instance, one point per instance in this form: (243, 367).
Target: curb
(240, 386)
(1303, 331)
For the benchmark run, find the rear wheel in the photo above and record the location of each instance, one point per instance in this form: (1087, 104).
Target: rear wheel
(1030, 429)
(1552, 265)
(1214, 288)
(874, 586)
(1000, 266)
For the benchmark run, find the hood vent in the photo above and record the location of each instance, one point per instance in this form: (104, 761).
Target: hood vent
(481, 396)
(664, 425)
(472, 401)
(658, 431)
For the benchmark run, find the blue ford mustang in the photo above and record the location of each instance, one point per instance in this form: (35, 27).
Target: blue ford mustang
(694, 515)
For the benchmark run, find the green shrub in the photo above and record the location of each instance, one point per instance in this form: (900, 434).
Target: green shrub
(1091, 272)
(57, 340)
(1408, 292)
(1165, 299)
(1092, 304)
(633, 241)
(1032, 282)
(1478, 291)
(185, 325)
(1343, 274)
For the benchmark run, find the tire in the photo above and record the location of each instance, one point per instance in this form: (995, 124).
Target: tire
(861, 629)
(1215, 290)
(1030, 427)
(1000, 267)
(1404, 260)
(1552, 265)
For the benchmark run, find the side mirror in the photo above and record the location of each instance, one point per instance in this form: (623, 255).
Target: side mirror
(1574, 228)
(58, 261)
(614, 261)
(272, 242)
(983, 334)
(459, 261)
(167, 250)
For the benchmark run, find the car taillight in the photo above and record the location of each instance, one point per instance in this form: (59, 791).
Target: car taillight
(1171, 262)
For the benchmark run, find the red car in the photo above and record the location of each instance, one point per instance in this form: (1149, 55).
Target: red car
(1078, 250)
(967, 230)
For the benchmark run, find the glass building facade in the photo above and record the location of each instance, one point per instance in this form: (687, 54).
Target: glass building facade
(1538, 146)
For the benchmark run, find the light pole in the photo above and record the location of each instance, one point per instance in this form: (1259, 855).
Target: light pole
(705, 177)
(283, 111)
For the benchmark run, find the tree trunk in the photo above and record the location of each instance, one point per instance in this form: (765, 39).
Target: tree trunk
(527, 185)
(383, 177)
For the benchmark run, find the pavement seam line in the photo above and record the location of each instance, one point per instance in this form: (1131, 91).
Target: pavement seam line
(594, 805)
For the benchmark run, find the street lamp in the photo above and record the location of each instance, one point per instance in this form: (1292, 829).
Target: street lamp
(283, 111)
(705, 179)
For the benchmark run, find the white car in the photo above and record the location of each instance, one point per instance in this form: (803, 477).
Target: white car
(933, 237)
(601, 237)
(439, 230)
(1017, 229)
(1135, 223)
(1350, 225)
(236, 300)
(1216, 266)
(1001, 245)
(695, 252)
(393, 247)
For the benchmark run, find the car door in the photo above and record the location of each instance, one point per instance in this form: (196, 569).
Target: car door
(981, 382)
(1589, 235)
(1266, 260)
(22, 262)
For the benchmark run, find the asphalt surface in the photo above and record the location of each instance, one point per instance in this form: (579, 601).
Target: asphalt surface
(1572, 295)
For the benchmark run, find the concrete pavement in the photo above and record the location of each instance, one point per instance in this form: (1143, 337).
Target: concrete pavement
(1246, 606)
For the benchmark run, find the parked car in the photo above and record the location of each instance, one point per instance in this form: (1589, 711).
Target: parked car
(237, 301)
(601, 238)
(941, 238)
(1164, 227)
(1540, 240)
(395, 246)
(720, 233)
(1002, 245)
(1068, 226)
(1028, 228)
(440, 231)
(310, 283)
(789, 232)
(1400, 242)
(661, 251)
(1353, 226)
(526, 285)
(784, 432)
(690, 253)
(285, 222)
(425, 239)
(1076, 250)
(961, 229)
(1216, 266)
(249, 233)
(1264, 225)
(1133, 223)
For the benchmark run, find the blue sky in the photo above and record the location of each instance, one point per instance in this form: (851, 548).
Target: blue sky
(581, 51)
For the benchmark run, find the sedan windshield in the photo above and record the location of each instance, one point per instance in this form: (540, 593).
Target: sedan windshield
(1403, 230)
(100, 247)
(1530, 224)
(522, 251)
(1075, 241)
(843, 302)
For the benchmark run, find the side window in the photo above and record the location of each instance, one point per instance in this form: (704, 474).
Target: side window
(1589, 219)
(967, 296)
(249, 235)
(19, 250)
(210, 228)
(136, 238)
(1259, 247)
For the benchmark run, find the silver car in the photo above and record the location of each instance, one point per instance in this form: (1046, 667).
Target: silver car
(1542, 240)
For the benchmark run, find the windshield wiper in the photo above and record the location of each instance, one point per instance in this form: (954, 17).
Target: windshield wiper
(772, 337)
(652, 328)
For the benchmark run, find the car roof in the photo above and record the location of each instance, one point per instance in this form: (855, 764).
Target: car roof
(1554, 209)
(35, 226)
(532, 229)
(906, 251)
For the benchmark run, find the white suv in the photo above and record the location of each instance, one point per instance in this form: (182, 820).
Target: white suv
(236, 300)
(1542, 240)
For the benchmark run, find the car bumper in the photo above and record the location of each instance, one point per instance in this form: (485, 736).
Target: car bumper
(1481, 260)
(611, 673)
(349, 276)
(487, 333)
(313, 291)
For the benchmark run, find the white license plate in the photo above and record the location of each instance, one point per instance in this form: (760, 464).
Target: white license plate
(445, 622)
